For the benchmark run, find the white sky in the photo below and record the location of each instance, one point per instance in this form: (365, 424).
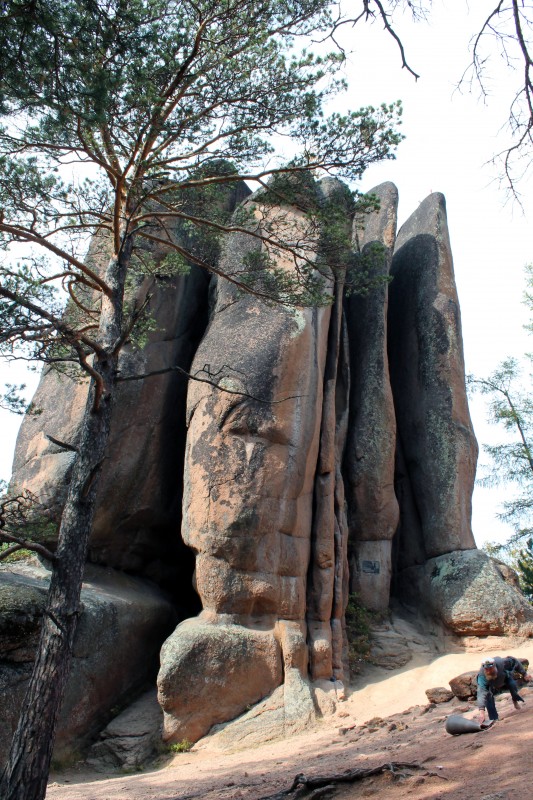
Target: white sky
(449, 138)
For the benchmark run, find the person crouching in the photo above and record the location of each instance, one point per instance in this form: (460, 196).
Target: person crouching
(494, 677)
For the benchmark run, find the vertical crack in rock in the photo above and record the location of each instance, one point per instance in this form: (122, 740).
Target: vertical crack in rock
(342, 571)
(328, 570)
(325, 572)
(368, 464)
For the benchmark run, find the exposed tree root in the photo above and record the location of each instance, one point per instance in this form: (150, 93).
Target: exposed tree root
(322, 785)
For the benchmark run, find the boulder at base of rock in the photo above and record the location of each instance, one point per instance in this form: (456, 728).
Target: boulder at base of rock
(122, 624)
(439, 694)
(464, 686)
(465, 589)
(211, 672)
(327, 695)
(288, 711)
(131, 739)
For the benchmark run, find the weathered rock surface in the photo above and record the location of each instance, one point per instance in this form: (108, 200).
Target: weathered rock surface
(466, 591)
(251, 458)
(373, 510)
(210, 672)
(250, 468)
(428, 381)
(136, 527)
(141, 479)
(439, 694)
(131, 739)
(121, 627)
(287, 711)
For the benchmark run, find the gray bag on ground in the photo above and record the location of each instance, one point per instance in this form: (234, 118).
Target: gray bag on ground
(456, 724)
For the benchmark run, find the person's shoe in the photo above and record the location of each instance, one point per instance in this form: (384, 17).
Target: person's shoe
(516, 704)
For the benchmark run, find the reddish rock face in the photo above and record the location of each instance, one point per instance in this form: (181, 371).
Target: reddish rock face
(251, 457)
(234, 668)
(252, 448)
(136, 527)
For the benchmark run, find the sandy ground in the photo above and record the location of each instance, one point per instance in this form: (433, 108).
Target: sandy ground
(492, 765)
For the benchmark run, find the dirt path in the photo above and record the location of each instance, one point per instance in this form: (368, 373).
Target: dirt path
(493, 765)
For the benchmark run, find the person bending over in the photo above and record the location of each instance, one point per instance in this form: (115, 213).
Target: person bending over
(496, 675)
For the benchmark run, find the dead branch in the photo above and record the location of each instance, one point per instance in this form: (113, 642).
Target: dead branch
(196, 377)
(59, 443)
(315, 787)
(390, 30)
(23, 544)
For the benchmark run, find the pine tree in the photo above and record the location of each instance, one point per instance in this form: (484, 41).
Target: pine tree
(119, 122)
(525, 569)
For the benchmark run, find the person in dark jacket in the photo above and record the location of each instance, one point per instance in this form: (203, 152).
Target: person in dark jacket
(496, 675)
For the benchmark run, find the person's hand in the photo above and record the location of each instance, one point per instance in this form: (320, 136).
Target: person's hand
(528, 677)
(481, 715)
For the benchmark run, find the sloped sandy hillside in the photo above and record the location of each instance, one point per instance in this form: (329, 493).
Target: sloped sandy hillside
(386, 721)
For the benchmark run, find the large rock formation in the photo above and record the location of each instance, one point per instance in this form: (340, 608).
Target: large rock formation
(141, 479)
(121, 626)
(436, 438)
(322, 451)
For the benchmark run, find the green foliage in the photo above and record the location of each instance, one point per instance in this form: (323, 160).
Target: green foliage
(173, 264)
(12, 398)
(511, 407)
(525, 569)
(359, 621)
(182, 746)
(26, 525)
(323, 250)
(177, 102)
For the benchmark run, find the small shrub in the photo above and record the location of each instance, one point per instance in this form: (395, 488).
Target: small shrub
(358, 633)
(359, 621)
(180, 747)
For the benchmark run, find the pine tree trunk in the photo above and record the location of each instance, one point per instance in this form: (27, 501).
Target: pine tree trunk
(26, 774)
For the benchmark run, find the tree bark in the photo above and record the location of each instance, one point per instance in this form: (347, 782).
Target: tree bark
(26, 774)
